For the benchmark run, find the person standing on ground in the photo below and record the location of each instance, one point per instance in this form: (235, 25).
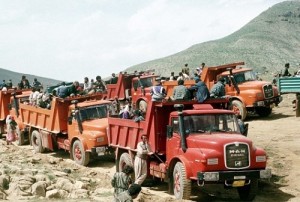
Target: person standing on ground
(286, 70)
(11, 129)
(140, 162)
(201, 89)
(122, 180)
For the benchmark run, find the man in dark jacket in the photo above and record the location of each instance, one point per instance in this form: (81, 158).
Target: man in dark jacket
(201, 89)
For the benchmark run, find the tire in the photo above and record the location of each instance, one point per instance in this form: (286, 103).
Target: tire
(1, 131)
(80, 156)
(143, 106)
(124, 160)
(263, 111)
(248, 192)
(238, 108)
(181, 185)
(36, 141)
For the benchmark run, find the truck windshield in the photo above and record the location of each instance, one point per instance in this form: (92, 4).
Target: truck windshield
(145, 82)
(211, 123)
(245, 76)
(93, 112)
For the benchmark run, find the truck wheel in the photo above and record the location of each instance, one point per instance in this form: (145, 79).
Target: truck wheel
(263, 111)
(36, 141)
(181, 185)
(143, 106)
(79, 155)
(238, 108)
(124, 160)
(248, 192)
(1, 131)
(20, 139)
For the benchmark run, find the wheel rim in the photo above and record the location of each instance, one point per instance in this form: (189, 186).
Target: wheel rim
(177, 185)
(35, 141)
(236, 110)
(77, 153)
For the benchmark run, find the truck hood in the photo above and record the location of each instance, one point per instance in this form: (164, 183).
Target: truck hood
(95, 125)
(253, 84)
(215, 140)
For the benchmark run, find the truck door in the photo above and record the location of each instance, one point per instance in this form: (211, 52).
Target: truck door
(173, 141)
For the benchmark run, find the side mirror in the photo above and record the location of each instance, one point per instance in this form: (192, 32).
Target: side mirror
(169, 131)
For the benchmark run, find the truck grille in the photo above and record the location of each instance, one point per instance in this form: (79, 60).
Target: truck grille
(237, 155)
(268, 91)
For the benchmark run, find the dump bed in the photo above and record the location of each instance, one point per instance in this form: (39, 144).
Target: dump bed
(54, 120)
(125, 133)
(5, 97)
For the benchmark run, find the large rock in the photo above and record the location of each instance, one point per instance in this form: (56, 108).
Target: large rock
(79, 194)
(4, 182)
(56, 193)
(39, 188)
(64, 184)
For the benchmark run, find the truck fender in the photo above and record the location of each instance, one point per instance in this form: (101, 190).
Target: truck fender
(81, 140)
(238, 98)
(186, 164)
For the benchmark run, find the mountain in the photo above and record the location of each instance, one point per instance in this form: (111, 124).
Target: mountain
(265, 44)
(16, 78)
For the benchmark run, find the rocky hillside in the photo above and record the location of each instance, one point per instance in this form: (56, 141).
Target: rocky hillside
(16, 77)
(265, 44)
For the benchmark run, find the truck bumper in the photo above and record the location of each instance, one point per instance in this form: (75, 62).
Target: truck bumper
(222, 176)
(268, 102)
(98, 151)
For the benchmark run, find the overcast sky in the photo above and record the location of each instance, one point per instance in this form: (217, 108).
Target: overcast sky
(70, 39)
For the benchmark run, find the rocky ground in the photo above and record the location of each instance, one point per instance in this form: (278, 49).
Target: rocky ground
(28, 176)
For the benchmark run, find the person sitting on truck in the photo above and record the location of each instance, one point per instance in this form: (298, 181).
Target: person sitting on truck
(172, 77)
(140, 162)
(62, 91)
(87, 85)
(201, 89)
(218, 90)
(130, 194)
(37, 84)
(113, 79)
(286, 70)
(24, 83)
(33, 96)
(74, 89)
(180, 92)
(99, 85)
(122, 180)
(158, 92)
(138, 115)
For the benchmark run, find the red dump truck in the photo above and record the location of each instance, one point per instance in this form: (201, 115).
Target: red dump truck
(75, 124)
(191, 143)
(249, 95)
(135, 87)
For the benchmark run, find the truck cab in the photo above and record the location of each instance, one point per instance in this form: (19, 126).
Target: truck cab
(249, 95)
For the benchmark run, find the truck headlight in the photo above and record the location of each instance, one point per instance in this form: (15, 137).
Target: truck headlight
(213, 161)
(211, 176)
(261, 158)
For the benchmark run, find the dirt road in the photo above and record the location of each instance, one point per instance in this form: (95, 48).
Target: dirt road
(278, 134)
